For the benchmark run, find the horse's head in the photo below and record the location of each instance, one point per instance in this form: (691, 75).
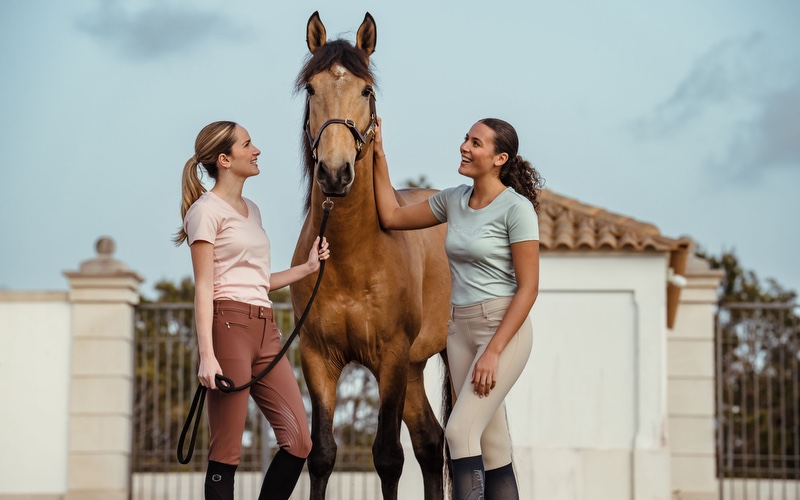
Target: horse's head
(340, 106)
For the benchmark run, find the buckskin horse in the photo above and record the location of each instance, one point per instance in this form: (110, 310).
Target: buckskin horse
(384, 298)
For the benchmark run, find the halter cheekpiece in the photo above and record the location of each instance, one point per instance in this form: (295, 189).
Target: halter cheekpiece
(361, 138)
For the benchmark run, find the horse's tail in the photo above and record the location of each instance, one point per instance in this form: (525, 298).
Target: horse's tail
(447, 408)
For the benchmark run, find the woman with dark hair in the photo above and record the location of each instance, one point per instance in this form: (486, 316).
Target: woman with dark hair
(493, 250)
(236, 332)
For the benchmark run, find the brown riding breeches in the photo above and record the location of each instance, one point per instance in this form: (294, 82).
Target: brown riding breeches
(246, 340)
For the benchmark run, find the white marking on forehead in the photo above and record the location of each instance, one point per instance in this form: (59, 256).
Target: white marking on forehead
(338, 70)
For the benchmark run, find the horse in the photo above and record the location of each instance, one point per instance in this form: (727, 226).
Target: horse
(384, 298)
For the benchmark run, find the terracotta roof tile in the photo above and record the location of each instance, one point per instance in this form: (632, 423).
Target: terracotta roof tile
(567, 224)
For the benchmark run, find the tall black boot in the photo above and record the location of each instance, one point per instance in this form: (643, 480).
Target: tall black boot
(219, 481)
(282, 476)
(468, 478)
(501, 484)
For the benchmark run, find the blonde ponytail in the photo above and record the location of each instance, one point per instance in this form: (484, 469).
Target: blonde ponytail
(215, 139)
(191, 190)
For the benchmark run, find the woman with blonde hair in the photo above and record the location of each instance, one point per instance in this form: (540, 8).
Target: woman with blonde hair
(236, 333)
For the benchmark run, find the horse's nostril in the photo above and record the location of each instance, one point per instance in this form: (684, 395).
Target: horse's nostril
(321, 172)
(347, 174)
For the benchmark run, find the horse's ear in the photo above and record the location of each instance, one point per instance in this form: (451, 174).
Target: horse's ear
(367, 35)
(315, 32)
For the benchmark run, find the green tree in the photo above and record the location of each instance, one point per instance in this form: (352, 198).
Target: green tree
(742, 285)
(168, 291)
(421, 182)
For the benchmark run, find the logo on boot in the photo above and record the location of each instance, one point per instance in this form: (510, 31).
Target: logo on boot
(216, 478)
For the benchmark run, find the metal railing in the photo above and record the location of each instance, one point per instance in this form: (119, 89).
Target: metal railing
(758, 401)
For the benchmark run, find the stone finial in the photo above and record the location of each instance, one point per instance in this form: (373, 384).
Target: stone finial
(104, 263)
(103, 278)
(105, 246)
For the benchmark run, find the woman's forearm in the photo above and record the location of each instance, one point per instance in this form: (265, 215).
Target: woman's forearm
(284, 278)
(203, 317)
(390, 214)
(525, 258)
(516, 314)
(385, 199)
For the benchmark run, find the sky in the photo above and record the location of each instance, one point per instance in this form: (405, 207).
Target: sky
(683, 114)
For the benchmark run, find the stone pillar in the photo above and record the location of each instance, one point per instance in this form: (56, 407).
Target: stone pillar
(691, 386)
(103, 293)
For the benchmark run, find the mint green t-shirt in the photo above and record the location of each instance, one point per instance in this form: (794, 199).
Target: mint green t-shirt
(478, 243)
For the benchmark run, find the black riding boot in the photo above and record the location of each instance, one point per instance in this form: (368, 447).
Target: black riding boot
(282, 476)
(219, 481)
(468, 477)
(501, 484)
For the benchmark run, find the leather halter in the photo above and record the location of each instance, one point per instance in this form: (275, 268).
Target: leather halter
(360, 137)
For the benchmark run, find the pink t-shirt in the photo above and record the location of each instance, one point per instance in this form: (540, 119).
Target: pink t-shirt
(241, 248)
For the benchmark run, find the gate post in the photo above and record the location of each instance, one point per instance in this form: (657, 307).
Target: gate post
(691, 382)
(102, 293)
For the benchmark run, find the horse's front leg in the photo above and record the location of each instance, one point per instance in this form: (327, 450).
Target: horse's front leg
(321, 377)
(427, 436)
(387, 452)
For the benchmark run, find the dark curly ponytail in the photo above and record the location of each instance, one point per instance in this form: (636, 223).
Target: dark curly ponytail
(516, 172)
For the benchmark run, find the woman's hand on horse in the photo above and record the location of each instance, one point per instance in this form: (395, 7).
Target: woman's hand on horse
(317, 253)
(377, 147)
(208, 370)
(484, 375)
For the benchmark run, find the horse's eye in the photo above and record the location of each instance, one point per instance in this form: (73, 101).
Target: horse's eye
(309, 90)
(367, 92)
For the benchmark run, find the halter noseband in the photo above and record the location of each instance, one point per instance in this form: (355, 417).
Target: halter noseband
(360, 137)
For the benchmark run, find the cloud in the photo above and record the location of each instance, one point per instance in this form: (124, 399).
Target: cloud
(157, 30)
(770, 140)
(725, 73)
(748, 90)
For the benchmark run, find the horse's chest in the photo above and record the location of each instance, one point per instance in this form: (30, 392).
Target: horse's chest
(349, 313)
(360, 320)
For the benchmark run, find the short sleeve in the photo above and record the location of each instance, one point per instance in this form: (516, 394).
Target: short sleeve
(523, 223)
(438, 203)
(200, 224)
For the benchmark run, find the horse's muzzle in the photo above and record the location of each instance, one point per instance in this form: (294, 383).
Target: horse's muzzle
(335, 182)
(336, 195)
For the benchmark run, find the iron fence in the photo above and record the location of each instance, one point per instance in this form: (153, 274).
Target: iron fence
(758, 401)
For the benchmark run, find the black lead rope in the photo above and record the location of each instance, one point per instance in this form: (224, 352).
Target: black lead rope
(224, 383)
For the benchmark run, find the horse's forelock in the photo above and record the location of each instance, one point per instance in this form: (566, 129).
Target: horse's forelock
(340, 51)
(353, 60)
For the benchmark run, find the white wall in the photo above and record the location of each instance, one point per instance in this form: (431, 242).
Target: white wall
(581, 405)
(588, 416)
(34, 389)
